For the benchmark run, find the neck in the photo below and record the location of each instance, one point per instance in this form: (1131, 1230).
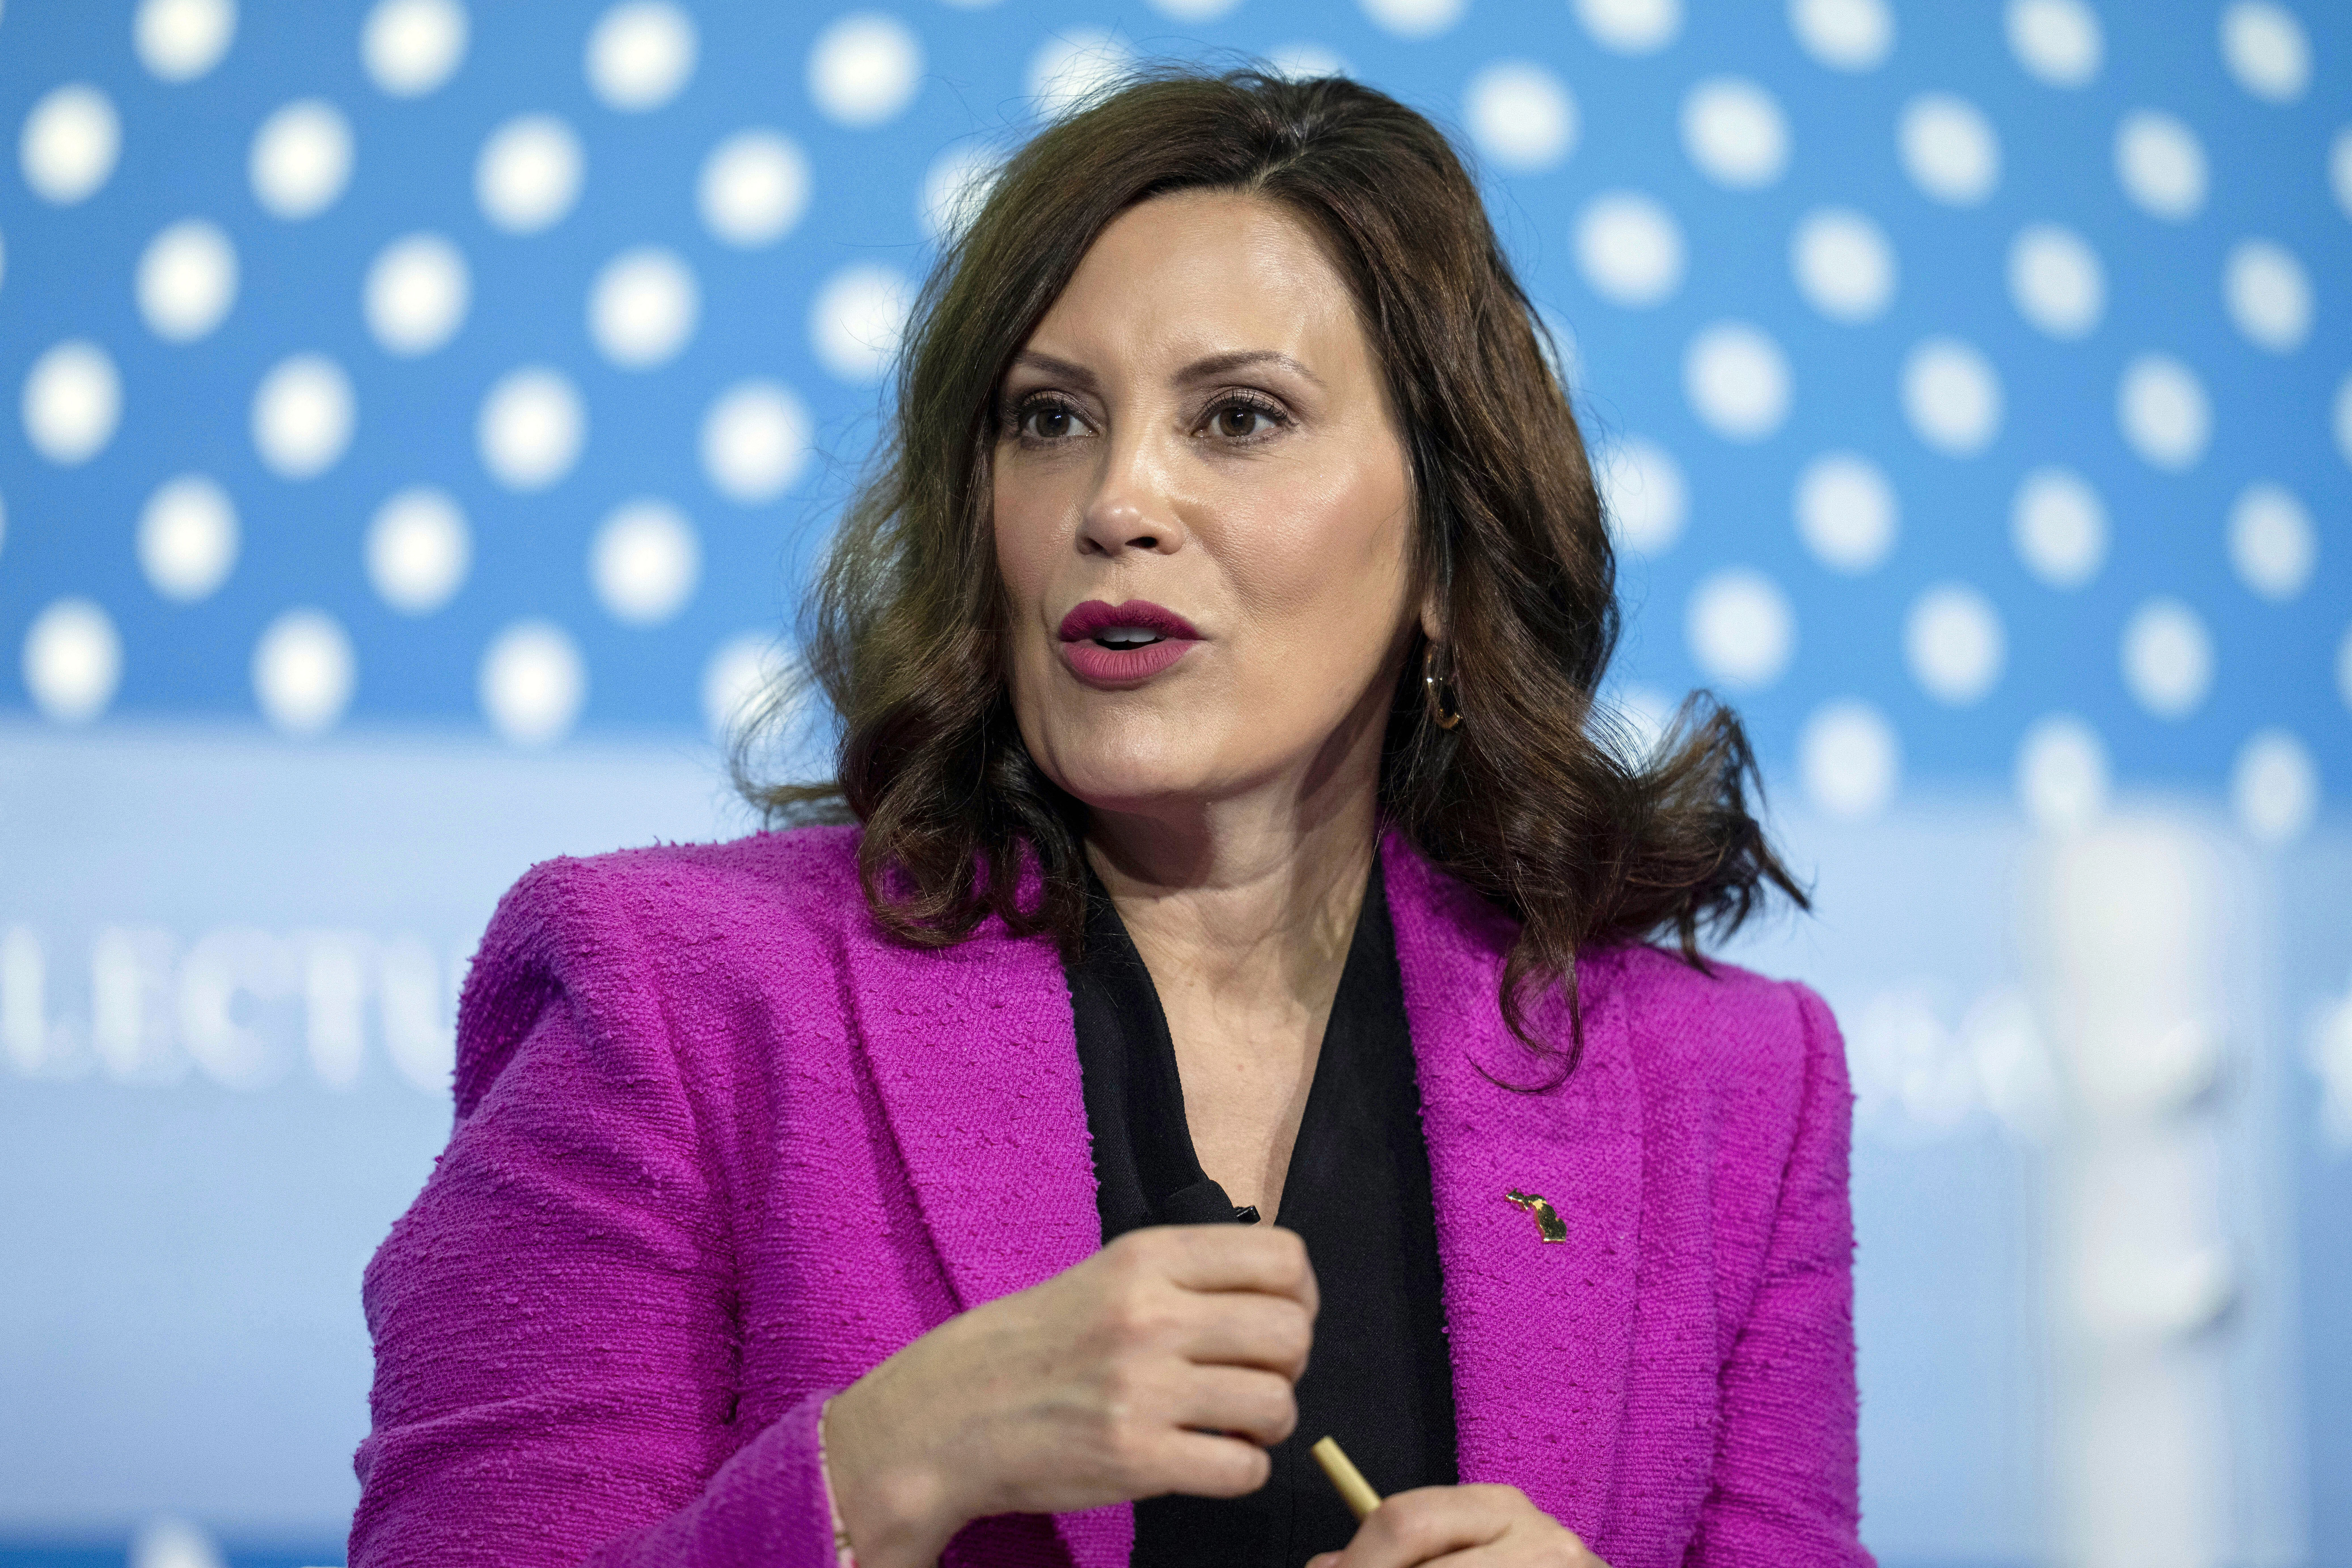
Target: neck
(1253, 896)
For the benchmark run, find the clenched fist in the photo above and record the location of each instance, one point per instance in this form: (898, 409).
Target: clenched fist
(1163, 1363)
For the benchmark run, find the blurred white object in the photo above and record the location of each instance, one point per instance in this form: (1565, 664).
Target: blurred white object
(168, 1542)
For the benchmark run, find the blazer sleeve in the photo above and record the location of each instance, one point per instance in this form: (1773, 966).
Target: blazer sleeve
(555, 1334)
(1787, 1482)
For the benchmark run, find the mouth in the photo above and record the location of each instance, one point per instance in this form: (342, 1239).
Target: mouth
(1120, 646)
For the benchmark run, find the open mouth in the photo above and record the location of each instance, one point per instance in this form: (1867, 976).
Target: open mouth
(1120, 645)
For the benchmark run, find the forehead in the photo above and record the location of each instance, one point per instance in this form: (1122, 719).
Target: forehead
(1206, 271)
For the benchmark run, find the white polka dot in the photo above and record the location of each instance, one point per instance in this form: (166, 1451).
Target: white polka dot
(955, 188)
(2266, 49)
(856, 319)
(180, 40)
(2058, 41)
(640, 54)
(642, 308)
(2274, 788)
(1846, 512)
(1843, 35)
(1631, 26)
(754, 187)
(302, 160)
(2168, 658)
(2062, 774)
(1842, 264)
(2268, 295)
(2339, 168)
(1736, 380)
(70, 144)
(411, 46)
(1521, 116)
(1949, 148)
(73, 661)
(530, 429)
(1850, 759)
(1628, 248)
(418, 549)
(864, 69)
(2059, 527)
(1735, 132)
(756, 441)
(529, 173)
(1953, 645)
(1304, 61)
(1071, 69)
(737, 682)
(303, 672)
(417, 292)
(532, 682)
(2160, 164)
(2056, 282)
(1740, 629)
(2273, 544)
(2163, 411)
(1193, 10)
(1643, 494)
(169, 1543)
(643, 562)
(303, 413)
(187, 537)
(1415, 19)
(1951, 396)
(187, 280)
(72, 402)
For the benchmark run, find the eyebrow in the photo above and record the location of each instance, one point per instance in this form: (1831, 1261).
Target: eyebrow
(1205, 369)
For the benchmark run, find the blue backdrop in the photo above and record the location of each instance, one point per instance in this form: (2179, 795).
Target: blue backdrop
(426, 414)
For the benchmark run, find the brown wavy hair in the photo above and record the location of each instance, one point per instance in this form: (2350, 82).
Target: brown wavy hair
(1537, 799)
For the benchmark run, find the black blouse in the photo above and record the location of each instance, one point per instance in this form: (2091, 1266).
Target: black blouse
(1356, 1193)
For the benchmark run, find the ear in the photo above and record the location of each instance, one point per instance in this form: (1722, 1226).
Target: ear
(1433, 617)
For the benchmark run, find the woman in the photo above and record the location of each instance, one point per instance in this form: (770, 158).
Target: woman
(1232, 841)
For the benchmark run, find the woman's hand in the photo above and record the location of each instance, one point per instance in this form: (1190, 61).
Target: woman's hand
(1463, 1527)
(1165, 1363)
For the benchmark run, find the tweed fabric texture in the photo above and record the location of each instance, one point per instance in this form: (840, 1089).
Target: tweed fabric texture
(720, 1148)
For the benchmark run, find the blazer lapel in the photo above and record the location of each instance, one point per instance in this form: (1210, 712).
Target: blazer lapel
(1541, 1332)
(974, 1056)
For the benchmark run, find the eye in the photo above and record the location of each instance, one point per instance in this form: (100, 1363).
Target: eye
(1048, 419)
(1244, 419)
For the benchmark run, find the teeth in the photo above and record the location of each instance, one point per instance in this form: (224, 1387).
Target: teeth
(1126, 637)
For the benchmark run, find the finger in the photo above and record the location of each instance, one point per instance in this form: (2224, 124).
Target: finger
(1233, 1329)
(1262, 1258)
(1240, 1400)
(1202, 1464)
(1412, 1527)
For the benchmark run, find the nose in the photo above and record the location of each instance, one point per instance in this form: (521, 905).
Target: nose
(1130, 508)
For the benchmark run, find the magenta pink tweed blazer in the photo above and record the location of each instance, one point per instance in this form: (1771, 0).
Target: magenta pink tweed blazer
(721, 1148)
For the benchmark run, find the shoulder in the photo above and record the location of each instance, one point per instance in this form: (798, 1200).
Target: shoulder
(789, 885)
(620, 938)
(1734, 1050)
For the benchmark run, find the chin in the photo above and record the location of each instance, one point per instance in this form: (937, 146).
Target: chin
(1127, 762)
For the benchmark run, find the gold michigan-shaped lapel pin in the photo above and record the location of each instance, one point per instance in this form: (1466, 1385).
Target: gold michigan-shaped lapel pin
(1549, 1224)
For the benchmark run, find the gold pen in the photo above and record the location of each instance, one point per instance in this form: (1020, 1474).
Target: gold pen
(1346, 1479)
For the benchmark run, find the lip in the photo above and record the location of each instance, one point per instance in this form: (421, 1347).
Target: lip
(1121, 667)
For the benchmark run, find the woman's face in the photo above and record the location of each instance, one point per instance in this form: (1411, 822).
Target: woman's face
(1201, 514)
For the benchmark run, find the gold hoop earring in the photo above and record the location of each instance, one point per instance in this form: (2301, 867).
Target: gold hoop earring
(1444, 710)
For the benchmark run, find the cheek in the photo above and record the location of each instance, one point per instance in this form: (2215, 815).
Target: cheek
(1326, 558)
